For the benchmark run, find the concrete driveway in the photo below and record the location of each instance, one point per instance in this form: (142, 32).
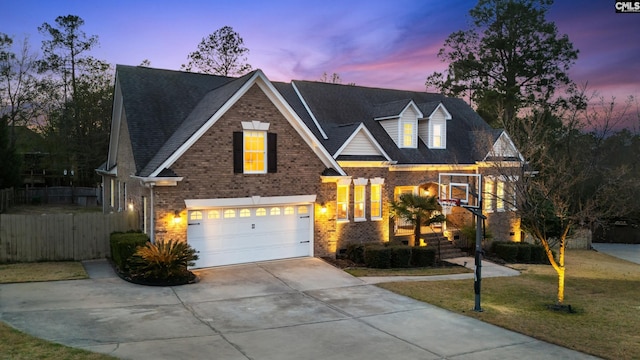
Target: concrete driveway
(290, 309)
(629, 252)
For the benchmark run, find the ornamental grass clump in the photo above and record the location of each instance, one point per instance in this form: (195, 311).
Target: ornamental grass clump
(164, 262)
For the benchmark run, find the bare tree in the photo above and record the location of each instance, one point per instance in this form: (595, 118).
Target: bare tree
(221, 53)
(566, 184)
(17, 84)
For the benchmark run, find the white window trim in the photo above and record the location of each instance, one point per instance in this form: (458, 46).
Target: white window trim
(488, 194)
(360, 183)
(338, 202)
(264, 150)
(414, 134)
(255, 125)
(443, 134)
(378, 206)
(500, 198)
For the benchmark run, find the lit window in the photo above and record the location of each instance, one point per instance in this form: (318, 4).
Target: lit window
(303, 209)
(255, 158)
(343, 202)
(358, 202)
(500, 195)
(213, 214)
(407, 135)
(245, 213)
(376, 203)
(229, 213)
(261, 212)
(288, 210)
(437, 135)
(195, 215)
(488, 194)
(274, 211)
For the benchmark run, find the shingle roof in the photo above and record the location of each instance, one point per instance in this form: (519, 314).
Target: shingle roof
(157, 102)
(165, 108)
(335, 106)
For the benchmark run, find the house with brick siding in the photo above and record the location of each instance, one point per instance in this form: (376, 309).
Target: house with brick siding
(246, 169)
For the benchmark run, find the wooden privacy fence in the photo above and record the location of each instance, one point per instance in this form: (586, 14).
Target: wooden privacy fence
(56, 237)
(6, 199)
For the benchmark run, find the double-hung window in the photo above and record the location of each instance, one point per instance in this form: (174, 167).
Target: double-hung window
(408, 130)
(500, 195)
(342, 212)
(359, 199)
(254, 149)
(487, 200)
(255, 156)
(376, 203)
(437, 135)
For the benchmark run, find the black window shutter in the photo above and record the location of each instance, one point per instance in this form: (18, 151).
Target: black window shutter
(238, 152)
(272, 153)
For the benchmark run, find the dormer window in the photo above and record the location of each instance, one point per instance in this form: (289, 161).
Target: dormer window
(408, 128)
(434, 134)
(408, 131)
(437, 136)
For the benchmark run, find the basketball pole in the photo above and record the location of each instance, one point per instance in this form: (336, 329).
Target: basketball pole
(477, 279)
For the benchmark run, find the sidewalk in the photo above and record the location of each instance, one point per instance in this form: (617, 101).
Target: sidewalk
(488, 269)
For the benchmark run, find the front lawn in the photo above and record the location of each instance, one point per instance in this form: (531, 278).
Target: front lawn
(44, 271)
(17, 345)
(602, 289)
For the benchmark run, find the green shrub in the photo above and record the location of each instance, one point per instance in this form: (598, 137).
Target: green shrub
(423, 256)
(163, 260)
(377, 257)
(524, 253)
(355, 253)
(495, 244)
(400, 256)
(124, 245)
(507, 252)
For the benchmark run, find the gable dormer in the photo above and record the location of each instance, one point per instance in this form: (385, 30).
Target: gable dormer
(400, 121)
(433, 128)
(504, 149)
(361, 144)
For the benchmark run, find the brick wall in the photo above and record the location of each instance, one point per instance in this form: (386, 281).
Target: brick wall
(207, 167)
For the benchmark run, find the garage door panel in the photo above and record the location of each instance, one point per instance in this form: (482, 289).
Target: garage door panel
(257, 236)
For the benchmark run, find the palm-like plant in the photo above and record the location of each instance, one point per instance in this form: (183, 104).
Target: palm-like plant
(417, 210)
(163, 260)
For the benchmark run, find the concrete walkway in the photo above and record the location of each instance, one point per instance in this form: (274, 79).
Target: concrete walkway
(488, 270)
(281, 310)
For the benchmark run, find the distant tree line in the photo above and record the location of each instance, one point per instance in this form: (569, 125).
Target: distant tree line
(64, 96)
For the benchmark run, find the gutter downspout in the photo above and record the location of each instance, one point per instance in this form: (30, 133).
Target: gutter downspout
(152, 229)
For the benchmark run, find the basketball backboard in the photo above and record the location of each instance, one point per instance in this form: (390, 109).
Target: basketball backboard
(460, 186)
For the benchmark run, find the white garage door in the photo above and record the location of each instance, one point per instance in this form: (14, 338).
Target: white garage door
(234, 235)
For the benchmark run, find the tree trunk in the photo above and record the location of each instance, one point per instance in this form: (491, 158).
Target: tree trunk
(561, 269)
(416, 232)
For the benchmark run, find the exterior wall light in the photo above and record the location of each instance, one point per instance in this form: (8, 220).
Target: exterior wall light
(323, 208)
(130, 206)
(176, 217)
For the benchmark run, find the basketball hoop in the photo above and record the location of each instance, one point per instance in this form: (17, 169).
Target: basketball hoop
(448, 204)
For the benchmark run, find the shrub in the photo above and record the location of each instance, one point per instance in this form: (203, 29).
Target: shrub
(355, 253)
(524, 253)
(123, 246)
(423, 256)
(507, 252)
(400, 256)
(377, 257)
(539, 255)
(164, 260)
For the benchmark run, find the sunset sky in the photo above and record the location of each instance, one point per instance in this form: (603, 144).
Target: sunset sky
(390, 43)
